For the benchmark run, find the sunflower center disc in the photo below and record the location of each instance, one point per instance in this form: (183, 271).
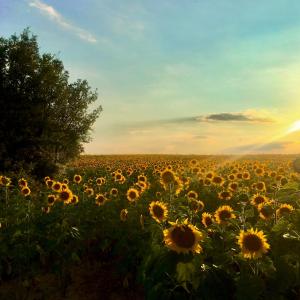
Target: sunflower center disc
(158, 211)
(252, 242)
(183, 237)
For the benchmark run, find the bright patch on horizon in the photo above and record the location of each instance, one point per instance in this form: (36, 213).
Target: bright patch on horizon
(294, 127)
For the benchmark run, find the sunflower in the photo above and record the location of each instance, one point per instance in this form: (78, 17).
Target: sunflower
(284, 209)
(158, 211)
(196, 205)
(233, 186)
(258, 199)
(46, 209)
(51, 199)
(223, 214)
(192, 195)
(142, 178)
(75, 199)
(218, 180)
(5, 180)
(253, 243)
(114, 192)
(100, 181)
(207, 219)
(261, 186)
(132, 194)
(56, 186)
(25, 191)
(266, 210)
(77, 178)
(183, 238)
(167, 177)
(100, 199)
(225, 195)
(49, 183)
(89, 192)
(65, 196)
(123, 215)
(246, 175)
(22, 182)
(66, 181)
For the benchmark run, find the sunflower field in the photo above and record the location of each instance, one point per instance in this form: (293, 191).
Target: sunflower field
(171, 227)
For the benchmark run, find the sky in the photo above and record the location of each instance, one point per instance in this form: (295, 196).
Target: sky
(177, 76)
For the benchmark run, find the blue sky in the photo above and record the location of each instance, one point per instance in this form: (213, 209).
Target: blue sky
(202, 77)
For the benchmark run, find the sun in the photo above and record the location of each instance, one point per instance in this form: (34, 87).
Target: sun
(294, 127)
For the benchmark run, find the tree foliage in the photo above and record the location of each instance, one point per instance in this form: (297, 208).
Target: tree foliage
(44, 119)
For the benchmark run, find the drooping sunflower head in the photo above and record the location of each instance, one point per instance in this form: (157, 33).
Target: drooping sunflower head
(158, 211)
(258, 199)
(183, 238)
(25, 191)
(207, 219)
(266, 210)
(253, 243)
(132, 194)
(284, 209)
(223, 214)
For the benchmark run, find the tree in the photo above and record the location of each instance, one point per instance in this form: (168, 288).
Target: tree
(44, 119)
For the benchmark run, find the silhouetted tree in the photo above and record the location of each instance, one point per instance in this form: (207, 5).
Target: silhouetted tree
(44, 119)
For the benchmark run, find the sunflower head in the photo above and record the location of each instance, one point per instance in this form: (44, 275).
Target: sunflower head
(223, 214)
(207, 219)
(183, 238)
(284, 209)
(22, 182)
(25, 191)
(167, 177)
(89, 191)
(258, 199)
(77, 178)
(196, 205)
(56, 186)
(253, 243)
(74, 199)
(51, 199)
(225, 195)
(65, 196)
(158, 211)
(100, 199)
(114, 192)
(132, 194)
(192, 195)
(266, 210)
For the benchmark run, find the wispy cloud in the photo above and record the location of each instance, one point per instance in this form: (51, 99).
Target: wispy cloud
(55, 16)
(250, 116)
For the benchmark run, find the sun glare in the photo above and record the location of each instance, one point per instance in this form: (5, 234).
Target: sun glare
(294, 127)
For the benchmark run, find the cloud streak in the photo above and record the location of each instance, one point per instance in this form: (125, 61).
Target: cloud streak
(56, 17)
(259, 148)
